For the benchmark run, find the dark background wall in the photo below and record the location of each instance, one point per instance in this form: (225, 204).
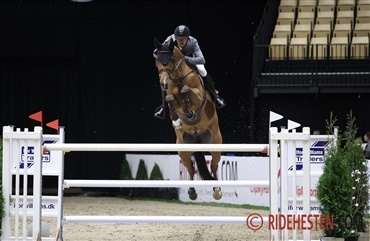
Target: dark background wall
(90, 65)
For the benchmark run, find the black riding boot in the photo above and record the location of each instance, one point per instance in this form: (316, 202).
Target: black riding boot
(160, 112)
(210, 85)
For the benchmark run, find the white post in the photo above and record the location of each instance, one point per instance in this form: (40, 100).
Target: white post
(284, 156)
(60, 187)
(273, 144)
(37, 180)
(292, 153)
(7, 181)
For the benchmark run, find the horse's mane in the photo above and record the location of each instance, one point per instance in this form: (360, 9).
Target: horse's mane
(177, 51)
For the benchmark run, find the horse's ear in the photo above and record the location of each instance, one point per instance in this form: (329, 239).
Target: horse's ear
(172, 44)
(157, 44)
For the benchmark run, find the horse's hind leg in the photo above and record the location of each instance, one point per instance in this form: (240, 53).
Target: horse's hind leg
(216, 157)
(188, 163)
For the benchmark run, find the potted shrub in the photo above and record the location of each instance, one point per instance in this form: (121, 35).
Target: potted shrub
(342, 188)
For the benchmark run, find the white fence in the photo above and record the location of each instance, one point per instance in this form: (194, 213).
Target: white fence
(15, 159)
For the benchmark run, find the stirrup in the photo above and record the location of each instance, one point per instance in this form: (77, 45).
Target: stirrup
(160, 113)
(219, 102)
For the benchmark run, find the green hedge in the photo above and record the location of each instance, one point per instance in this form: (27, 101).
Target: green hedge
(125, 174)
(142, 174)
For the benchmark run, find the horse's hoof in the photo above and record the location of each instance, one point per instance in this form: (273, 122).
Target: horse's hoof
(217, 194)
(192, 194)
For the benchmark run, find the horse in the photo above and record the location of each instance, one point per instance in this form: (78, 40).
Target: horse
(192, 111)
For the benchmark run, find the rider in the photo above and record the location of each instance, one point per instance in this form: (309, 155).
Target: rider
(194, 57)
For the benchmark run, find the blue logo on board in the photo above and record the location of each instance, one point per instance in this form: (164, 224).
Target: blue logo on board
(317, 154)
(31, 155)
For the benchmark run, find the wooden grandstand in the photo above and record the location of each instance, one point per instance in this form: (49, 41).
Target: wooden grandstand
(315, 46)
(308, 26)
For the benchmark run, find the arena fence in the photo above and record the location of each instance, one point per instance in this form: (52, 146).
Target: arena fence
(34, 150)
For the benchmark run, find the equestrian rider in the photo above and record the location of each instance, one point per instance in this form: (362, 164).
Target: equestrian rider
(193, 56)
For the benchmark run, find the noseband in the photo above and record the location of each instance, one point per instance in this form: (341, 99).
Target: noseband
(170, 73)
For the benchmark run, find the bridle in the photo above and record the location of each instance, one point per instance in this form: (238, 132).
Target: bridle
(177, 80)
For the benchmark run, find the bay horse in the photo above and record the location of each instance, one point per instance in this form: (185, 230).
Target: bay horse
(191, 109)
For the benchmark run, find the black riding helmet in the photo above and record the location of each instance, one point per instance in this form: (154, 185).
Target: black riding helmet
(182, 32)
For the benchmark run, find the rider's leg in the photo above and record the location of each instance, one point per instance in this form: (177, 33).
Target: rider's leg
(210, 85)
(160, 112)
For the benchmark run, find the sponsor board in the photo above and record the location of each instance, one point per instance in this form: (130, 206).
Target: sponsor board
(232, 168)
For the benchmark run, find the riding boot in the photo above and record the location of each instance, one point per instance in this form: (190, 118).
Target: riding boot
(160, 111)
(210, 85)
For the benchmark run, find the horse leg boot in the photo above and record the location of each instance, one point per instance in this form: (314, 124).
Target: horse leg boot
(160, 112)
(173, 115)
(184, 95)
(210, 85)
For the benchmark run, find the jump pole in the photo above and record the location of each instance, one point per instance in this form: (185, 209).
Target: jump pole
(155, 147)
(162, 219)
(165, 183)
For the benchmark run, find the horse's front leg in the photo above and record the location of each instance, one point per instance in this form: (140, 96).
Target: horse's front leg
(189, 165)
(184, 95)
(171, 106)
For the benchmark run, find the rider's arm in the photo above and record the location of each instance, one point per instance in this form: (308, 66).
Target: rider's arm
(197, 55)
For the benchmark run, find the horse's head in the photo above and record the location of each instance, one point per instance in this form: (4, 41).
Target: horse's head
(168, 60)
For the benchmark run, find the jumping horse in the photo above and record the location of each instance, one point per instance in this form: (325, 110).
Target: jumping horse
(192, 111)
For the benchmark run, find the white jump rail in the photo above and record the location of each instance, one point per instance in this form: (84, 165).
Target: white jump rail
(162, 219)
(165, 183)
(155, 147)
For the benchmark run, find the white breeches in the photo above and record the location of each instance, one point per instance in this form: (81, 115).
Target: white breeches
(202, 70)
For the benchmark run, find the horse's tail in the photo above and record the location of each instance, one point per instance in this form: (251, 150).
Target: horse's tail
(202, 166)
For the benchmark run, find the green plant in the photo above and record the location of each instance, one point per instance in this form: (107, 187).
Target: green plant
(156, 173)
(359, 178)
(170, 193)
(343, 186)
(333, 189)
(142, 173)
(125, 174)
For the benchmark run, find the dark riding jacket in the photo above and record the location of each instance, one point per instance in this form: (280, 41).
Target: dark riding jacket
(191, 51)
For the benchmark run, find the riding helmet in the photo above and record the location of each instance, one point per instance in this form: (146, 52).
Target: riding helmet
(182, 32)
